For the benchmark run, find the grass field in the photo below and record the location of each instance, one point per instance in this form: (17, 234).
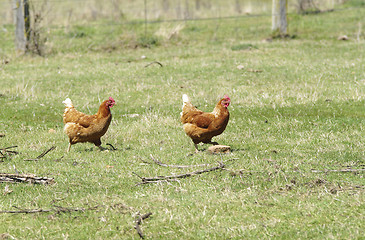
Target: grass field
(297, 117)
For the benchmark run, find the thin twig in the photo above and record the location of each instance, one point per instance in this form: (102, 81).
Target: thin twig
(137, 175)
(145, 161)
(355, 165)
(176, 166)
(7, 152)
(113, 148)
(153, 63)
(57, 209)
(338, 170)
(164, 178)
(11, 152)
(27, 211)
(41, 155)
(45, 152)
(139, 222)
(60, 209)
(182, 166)
(59, 159)
(243, 171)
(147, 182)
(8, 147)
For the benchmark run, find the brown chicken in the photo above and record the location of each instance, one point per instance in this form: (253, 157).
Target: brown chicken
(80, 127)
(201, 126)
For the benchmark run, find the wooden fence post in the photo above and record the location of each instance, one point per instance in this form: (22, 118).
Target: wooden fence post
(279, 19)
(22, 24)
(20, 40)
(27, 22)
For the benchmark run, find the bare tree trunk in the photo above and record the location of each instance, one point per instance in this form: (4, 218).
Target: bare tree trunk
(279, 19)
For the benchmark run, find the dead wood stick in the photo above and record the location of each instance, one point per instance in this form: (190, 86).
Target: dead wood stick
(153, 63)
(56, 209)
(8, 147)
(243, 171)
(27, 211)
(185, 175)
(145, 161)
(60, 209)
(45, 152)
(139, 222)
(13, 152)
(182, 166)
(147, 182)
(6, 151)
(176, 166)
(18, 178)
(41, 155)
(59, 159)
(355, 165)
(338, 170)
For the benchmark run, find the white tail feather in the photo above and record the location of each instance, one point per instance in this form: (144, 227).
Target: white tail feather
(185, 101)
(68, 102)
(185, 98)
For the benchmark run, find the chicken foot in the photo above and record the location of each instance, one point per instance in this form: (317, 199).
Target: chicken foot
(100, 148)
(196, 146)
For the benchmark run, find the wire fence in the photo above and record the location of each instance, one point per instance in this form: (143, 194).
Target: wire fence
(71, 12)
(106, 17)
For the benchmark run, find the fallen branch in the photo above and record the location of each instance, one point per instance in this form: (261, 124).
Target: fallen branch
(147, 182)
(27, 211)
(338, 170)
(164, 178)
(5, 151)
(355, 165)
(41, 155)
(181, 166)
(243, 171)
(57, 209)
(45, 152)
(139, 222)
(352, 188)
(8, 147)
(176, 166)
(19, 178)
(153, 63)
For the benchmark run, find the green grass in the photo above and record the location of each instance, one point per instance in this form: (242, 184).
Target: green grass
(303, 110)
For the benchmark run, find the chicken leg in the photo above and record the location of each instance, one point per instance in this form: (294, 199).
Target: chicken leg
(69, 147)
(196, 148)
